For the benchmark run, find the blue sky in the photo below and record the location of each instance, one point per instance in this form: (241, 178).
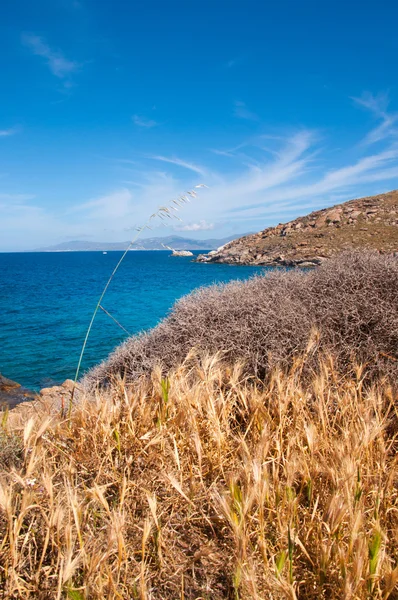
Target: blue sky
(110, 109)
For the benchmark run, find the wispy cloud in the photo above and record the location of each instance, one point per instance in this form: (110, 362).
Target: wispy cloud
(182, 163)
(252, 184)
(234, 62)
(293, 160)
(200, 226)
(9, 132)
(256, 182)
(377, 103)
(378, 106)
(242, 112)
(143, 122)
(111, 207)
(16, 198)
(59, 65)
(378, 167)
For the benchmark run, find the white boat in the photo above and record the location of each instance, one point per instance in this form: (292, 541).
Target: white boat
(104, 253)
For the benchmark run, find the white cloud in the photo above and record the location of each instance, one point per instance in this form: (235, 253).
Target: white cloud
(365, 170)
(59, 65)
(242, 112)
(378, 103)
(251, 186)
(378, 106)
(8, 132)
(200, 226)
(290, 162)
(143, 122)
(16, 198)
(182, 163)
(108, 208)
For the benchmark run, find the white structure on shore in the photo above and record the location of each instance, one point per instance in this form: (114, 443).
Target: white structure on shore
(178, 252)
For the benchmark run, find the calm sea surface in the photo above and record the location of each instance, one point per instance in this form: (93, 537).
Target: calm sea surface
(47, 299)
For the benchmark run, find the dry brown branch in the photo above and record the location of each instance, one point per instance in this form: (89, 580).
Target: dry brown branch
(348, 307)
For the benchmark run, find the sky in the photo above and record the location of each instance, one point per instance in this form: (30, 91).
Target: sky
(111, 109)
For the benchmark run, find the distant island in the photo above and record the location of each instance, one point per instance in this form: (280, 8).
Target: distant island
(369, 223)
(153, 243)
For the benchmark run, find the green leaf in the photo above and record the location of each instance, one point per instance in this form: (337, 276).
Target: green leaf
(374, 552)
(165, 384)
(75, 595)
(280, 562)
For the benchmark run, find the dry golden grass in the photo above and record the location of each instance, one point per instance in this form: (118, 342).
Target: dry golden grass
(205, 486)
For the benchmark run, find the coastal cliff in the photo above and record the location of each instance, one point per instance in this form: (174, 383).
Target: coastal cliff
(367, 223)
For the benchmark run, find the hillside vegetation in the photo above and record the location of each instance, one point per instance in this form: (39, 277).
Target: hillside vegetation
(204, 485)
(348, 307)
(367, 223)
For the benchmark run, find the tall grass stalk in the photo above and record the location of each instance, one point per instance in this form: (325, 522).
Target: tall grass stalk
(163, 213)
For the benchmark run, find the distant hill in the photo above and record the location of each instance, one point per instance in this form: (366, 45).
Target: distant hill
(155, 243)
(365, 223)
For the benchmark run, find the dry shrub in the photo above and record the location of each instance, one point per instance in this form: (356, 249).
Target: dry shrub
(206, 486)
(348, 306)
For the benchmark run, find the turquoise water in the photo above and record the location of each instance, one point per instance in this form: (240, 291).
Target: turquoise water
(47, 299)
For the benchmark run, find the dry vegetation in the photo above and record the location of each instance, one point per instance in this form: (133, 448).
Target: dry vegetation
(351, 301)
(263, 467)
(206, 486)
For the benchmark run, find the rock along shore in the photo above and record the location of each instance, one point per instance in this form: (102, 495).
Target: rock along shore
(366, 223)
(23, 403)
(12, 393)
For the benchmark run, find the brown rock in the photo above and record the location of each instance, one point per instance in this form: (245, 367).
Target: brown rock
(59, 396)
(321, 221)
(7, 384)
(12, 393)
(334, 216)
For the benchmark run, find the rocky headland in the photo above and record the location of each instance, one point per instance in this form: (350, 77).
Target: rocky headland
(366, 223)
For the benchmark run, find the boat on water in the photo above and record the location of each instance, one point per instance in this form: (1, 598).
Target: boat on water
(104, 253)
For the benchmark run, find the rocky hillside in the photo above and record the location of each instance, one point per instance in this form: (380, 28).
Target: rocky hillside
(370, 223)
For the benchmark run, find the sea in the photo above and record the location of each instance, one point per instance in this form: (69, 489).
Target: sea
(47, 300)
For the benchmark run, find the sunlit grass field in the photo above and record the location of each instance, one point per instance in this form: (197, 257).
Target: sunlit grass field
(207, 485)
